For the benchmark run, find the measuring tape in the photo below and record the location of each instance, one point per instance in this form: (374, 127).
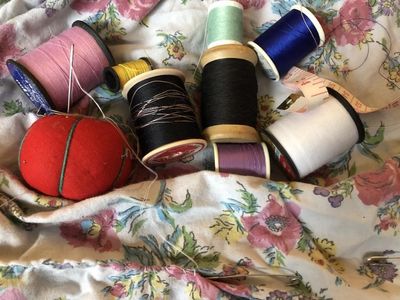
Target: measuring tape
(314, 90)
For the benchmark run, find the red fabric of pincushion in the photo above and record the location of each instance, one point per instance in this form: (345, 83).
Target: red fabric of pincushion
(96, 159)
(42, 153)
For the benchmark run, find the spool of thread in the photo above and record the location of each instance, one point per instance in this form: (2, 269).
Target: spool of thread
(43, 73)
(163, 116)
(224, 23)
(243, 159)
(304, 142)
(288, 41)
(115, 77)
(229, 94)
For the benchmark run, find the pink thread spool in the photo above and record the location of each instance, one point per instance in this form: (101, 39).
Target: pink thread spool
(243, 159)
(43, 73)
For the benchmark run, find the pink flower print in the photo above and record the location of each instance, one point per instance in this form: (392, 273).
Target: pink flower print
(12, 294)
(135, 9)
(119, 290)
(257, 4)
(275, 225)
(352, 23)
(8, 48)
(378, 187)
(96, 232)
(89, 5)
(387, 223)
(207, 289)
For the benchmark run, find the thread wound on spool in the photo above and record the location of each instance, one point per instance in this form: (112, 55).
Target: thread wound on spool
(243, 159)
(164, 119)
(115, 77)
(229, 93)
(305, 142)
(288, 41)
(224, 23)
(42, 75)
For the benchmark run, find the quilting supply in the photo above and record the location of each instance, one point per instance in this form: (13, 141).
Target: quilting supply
(244, 159)
(316, 90)
(163, 116)
(229, 94)
(43, 73)
(224, 23)
(74, 157)
(382, 258)
(115, 77)
(288, 41)
(303, 142)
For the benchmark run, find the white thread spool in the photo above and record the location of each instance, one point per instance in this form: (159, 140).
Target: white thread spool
(307, 141)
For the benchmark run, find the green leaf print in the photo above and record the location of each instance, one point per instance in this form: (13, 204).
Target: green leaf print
(140, 255)
(138, 284)
(137, 226)
(228, 224)
(166, 207)
(250, 202)
(371, 141)
(184, 206)
(377, 138)
(4, 181)
(108, 23)
(286, 192)
(184, 245)
(180, 248)
(274, 257)
(12, 107)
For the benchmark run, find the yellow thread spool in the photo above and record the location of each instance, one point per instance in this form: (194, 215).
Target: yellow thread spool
(116, 77)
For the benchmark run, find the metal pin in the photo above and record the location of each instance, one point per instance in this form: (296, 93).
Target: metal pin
(289, 101)
(290, 279)
(381, 258)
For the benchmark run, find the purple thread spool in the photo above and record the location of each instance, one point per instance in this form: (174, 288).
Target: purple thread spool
(243, 159)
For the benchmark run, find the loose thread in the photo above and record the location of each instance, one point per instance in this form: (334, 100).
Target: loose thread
(48, 64)
(132, 151)
(71, 63)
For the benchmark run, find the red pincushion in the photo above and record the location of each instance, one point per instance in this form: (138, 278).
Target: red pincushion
(74, 157)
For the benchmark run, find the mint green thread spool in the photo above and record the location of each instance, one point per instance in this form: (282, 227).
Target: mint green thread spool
(224, 24)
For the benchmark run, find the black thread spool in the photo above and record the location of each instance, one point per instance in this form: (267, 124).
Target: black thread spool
(229, 94)
(163, 116)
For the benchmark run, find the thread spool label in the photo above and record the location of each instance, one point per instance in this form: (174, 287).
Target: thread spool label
(28, 87)
(174, 154)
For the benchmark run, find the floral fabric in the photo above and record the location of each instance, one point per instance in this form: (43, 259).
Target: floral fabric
(186, 234)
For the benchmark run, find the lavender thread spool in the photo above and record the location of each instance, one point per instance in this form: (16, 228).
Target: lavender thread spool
(250, 159)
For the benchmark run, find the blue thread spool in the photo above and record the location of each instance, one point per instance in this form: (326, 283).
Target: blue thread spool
(288, 41)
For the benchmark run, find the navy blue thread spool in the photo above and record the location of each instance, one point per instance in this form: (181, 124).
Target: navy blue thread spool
(288, 41)
(169, 131)
(229, 94)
